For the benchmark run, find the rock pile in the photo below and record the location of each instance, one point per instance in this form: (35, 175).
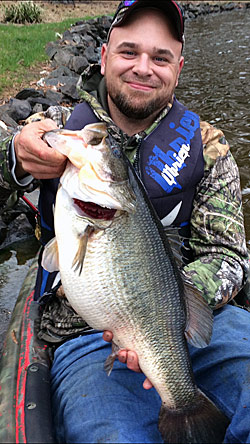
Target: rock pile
(18, 220)
(70, 54)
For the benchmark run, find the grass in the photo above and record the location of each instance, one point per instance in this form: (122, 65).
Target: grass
(23, 47)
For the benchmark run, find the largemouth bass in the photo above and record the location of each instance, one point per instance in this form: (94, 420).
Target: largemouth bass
(119, 273)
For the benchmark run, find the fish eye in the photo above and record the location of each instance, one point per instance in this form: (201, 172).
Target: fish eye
(95, 141)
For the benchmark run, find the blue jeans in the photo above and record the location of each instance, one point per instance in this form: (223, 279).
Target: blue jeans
(90, 407)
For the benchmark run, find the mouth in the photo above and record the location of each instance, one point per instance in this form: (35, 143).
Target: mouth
(140, 86)
(95, 211)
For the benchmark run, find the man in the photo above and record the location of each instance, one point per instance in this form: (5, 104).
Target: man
(193, 183)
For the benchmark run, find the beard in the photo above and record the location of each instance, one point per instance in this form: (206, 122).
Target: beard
(138, 111)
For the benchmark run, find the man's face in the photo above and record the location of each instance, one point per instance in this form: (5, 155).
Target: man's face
(141, 63)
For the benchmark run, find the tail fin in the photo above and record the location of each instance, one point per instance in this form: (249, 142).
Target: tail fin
(200, 423)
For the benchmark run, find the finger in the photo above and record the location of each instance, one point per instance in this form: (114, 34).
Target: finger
(42, 172)
(31, 146)
(34, 155)
(147, 384)
(122, 356)
(132, 361)
(107, 336)
(34, 131)
(40, 169)
(41, 126)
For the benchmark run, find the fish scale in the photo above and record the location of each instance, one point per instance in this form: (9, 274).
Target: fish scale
(119, 274)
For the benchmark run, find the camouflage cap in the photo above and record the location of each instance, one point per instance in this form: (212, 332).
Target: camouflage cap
(170, 8)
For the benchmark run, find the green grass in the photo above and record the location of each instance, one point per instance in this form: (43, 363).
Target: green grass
(23, 46)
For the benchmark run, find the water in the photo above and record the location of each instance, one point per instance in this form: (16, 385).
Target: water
(215, 83)
(14, 265)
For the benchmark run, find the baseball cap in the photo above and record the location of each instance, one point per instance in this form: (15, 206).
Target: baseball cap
(169, 7)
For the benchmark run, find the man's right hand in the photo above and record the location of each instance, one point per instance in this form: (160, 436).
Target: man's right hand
(128, 357)
(34, 156)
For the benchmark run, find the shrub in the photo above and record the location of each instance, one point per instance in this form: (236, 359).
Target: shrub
(24, 12)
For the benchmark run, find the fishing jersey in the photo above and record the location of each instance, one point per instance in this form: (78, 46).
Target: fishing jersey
(217, 238)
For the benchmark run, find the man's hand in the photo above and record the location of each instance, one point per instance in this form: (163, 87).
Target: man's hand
(34, 156)
(129, 357)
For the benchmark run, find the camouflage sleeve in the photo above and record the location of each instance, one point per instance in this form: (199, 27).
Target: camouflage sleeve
(7, 183)
(5, 176)
(220, 263)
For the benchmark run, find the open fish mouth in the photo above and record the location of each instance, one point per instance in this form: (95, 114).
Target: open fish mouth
(94, 210)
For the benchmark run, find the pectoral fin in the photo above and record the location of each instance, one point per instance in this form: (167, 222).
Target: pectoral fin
(50, 258)
(199, 326)
(109, 363)
(80, 254)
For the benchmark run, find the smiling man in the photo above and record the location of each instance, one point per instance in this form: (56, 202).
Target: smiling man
(193, 183)
(141, 71)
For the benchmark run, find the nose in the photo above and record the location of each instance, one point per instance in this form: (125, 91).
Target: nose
(142, 66)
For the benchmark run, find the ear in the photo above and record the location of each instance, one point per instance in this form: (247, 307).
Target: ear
(181, 64)
(103, 58)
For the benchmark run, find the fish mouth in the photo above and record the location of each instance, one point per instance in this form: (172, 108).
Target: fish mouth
(94, 210)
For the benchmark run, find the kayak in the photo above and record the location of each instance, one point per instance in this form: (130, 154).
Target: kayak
(25, 408)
